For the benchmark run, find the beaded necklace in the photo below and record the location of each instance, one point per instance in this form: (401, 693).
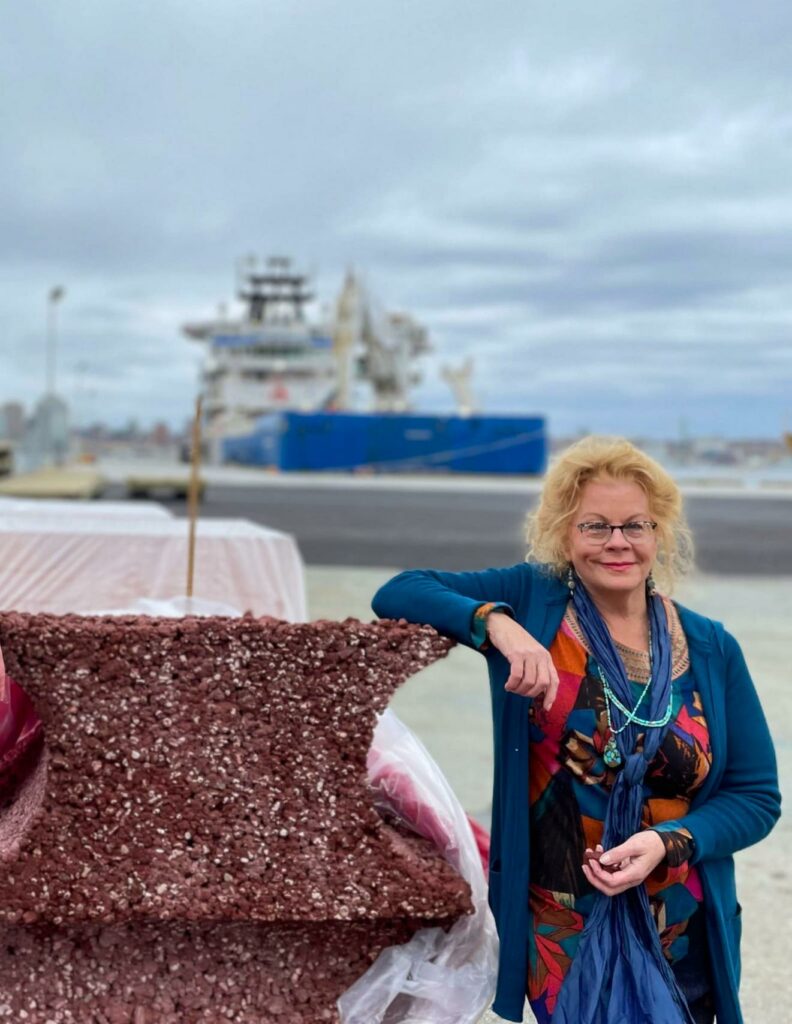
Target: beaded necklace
(611, 754)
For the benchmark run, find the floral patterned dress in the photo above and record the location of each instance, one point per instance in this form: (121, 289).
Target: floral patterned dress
(569, 790)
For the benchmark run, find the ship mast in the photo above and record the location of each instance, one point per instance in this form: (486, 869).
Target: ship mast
(276, 296)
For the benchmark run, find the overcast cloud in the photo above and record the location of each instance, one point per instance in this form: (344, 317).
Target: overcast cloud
(592, 200)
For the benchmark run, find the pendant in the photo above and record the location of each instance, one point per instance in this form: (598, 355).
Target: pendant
(611, 756)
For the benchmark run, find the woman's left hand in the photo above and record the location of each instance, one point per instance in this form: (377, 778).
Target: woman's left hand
(629, 864)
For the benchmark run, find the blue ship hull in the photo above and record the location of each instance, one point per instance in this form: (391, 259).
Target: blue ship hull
(393, 443)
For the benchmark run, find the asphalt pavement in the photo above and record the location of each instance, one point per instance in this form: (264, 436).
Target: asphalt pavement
(464, 527)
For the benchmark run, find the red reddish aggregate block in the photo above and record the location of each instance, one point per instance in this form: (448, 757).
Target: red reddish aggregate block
(198, 842)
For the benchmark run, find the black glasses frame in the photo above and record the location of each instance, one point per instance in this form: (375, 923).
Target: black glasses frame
(585, 527)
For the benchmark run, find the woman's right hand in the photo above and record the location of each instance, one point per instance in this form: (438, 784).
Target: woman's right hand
(533, 673)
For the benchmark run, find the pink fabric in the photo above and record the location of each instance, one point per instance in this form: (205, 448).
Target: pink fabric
(482, 837)
(403, 797)
(21, 733)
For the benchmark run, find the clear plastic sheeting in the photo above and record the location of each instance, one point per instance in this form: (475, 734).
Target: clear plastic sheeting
(76, 563)
(437, 977)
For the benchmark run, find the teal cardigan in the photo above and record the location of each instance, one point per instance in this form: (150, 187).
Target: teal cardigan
(737, 806)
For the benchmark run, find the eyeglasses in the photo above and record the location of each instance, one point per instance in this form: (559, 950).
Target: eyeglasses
(635, 532)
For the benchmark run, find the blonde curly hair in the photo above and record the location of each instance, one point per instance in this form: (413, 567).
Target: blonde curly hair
(608, 458)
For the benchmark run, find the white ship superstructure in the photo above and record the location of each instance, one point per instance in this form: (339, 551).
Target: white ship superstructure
(274, 359)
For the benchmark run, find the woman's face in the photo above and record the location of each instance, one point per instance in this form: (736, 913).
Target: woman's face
(616, 564)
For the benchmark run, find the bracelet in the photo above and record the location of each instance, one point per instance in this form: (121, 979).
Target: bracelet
(479, 627)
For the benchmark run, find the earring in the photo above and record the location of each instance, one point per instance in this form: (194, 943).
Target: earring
(570, 579)
(651, 586)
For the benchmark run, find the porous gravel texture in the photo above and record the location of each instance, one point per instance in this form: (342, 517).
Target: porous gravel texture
(198, 842)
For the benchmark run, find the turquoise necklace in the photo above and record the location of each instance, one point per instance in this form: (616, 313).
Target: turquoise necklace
(611, 754)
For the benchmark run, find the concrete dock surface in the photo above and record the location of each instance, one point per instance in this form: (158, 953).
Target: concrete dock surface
(447, 705)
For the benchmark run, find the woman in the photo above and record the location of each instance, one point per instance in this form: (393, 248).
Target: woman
(632, 757)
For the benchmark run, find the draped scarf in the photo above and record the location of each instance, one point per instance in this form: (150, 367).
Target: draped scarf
(619, 974)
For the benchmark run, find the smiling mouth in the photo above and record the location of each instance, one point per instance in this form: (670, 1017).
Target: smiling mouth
(617, 565)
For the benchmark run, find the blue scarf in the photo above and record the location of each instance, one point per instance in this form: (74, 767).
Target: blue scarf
(619, 974)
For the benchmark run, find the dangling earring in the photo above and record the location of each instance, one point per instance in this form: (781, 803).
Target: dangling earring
(570, 579)
(651, 586)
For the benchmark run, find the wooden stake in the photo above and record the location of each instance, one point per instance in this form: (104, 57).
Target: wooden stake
(192, 507)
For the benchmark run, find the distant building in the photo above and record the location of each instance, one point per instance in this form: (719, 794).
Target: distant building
(160, 434)
(12, 421)
(48, 437)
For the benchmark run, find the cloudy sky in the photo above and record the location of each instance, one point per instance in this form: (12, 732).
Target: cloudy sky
(594, 200)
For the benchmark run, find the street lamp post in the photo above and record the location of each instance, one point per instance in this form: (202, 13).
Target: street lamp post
(54, 297)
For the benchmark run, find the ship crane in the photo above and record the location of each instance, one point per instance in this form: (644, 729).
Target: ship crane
(375, 347)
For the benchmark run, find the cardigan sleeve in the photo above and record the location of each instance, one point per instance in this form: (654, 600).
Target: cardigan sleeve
(678, 843)
(449, 600)
(478, 630)
(748, 802)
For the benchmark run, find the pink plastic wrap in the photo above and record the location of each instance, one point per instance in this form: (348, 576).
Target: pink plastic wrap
(437, 977)
(23, 769)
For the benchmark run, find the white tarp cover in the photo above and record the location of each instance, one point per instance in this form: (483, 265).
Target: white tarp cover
(63, 561)
(46, 508)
